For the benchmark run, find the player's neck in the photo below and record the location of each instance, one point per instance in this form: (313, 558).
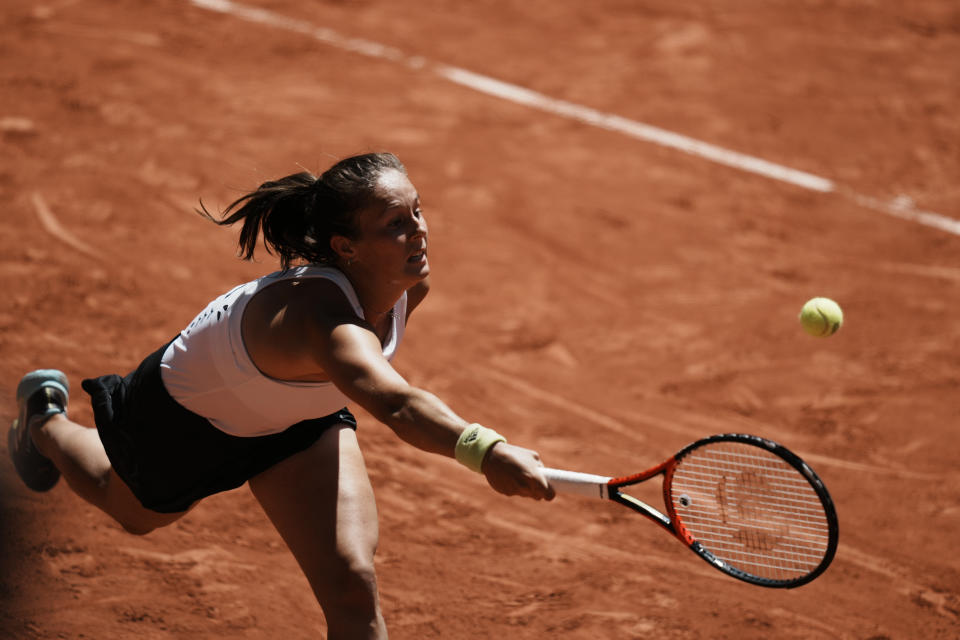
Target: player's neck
(377, 299)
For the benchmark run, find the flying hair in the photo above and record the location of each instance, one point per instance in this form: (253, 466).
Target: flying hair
(297, 215)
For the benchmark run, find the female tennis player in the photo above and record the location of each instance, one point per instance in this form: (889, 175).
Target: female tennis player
(254, 389)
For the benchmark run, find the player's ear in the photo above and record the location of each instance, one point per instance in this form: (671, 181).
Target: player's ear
(343, 247)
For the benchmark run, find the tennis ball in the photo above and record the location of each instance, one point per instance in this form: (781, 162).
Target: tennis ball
(821, 317)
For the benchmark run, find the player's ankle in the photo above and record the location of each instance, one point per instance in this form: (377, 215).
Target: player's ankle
(41, 431)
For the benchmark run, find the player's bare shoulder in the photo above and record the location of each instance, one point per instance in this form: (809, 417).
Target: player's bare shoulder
(293, 314)
(323, 303)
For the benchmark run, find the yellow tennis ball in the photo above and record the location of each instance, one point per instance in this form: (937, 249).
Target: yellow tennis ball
(821, 317)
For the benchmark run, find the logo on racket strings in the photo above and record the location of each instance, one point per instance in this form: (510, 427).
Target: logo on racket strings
(755, 527)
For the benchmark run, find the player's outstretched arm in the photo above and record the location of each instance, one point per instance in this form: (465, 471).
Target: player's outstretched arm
(354, 361)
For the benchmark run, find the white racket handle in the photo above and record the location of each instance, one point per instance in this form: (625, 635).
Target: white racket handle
(573, 482)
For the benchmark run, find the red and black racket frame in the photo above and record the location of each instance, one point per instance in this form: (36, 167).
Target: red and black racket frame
(674, 524)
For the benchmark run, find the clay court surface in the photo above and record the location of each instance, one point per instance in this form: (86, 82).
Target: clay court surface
(600, 298)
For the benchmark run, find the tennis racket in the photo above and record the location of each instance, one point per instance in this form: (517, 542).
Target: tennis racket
(746, 505)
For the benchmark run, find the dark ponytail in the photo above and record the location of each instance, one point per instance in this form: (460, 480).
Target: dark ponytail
(297, 215)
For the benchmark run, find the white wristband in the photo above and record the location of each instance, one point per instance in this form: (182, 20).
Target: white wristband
(473, 445)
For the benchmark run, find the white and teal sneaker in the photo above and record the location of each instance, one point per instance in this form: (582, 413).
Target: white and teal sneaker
(40, 394)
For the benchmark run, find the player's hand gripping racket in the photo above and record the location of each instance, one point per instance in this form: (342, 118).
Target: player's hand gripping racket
(746, 505)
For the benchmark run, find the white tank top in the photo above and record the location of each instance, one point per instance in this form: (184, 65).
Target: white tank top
(207, 368)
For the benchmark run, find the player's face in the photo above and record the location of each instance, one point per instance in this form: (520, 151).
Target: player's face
(392, 232)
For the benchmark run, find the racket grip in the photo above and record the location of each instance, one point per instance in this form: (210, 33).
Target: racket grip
(573, 482)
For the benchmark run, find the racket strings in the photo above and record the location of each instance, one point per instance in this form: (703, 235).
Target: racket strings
(751, 509)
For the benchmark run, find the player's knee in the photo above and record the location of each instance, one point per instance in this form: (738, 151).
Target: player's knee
(358, 585)
(352, 591)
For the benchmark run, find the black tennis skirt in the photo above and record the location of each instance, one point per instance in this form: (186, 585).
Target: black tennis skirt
(171, 457)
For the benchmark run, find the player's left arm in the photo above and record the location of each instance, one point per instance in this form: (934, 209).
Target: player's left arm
(416, 294)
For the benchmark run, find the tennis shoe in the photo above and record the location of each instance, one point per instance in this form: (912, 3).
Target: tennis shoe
(40, 394)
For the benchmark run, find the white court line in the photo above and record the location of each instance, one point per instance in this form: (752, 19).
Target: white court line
(649, 133)
(901, 208)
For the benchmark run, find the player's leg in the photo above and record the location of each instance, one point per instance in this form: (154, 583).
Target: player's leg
(322, 504)
(79, 455)
(44, 444)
